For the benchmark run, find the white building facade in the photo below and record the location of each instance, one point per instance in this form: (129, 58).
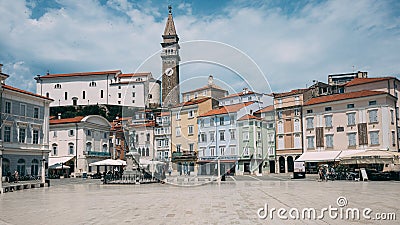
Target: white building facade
(104, 88)
(79, 140)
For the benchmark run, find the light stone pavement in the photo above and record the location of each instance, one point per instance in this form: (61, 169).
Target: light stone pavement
(77, 201)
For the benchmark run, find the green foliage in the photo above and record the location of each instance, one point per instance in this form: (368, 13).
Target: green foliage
(107, 111)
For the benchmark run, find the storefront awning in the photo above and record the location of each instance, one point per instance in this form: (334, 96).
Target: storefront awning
(59, 160)
(324, 156)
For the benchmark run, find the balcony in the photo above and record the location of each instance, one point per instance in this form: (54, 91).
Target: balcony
(99, 154)
(184, 156)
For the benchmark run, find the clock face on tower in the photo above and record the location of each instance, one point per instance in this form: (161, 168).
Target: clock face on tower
(169, 71)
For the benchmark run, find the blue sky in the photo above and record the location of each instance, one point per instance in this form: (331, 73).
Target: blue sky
(284, 44)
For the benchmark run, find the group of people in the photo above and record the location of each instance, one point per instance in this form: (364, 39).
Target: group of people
(13, 177)
(326, 173)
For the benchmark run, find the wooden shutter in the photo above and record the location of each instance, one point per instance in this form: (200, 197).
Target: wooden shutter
(362, 134)
(319, 132)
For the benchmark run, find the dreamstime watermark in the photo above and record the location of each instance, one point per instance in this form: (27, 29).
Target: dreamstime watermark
(341, 212)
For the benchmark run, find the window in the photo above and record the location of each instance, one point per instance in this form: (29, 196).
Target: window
(88, 132)
(83, 94)
(36, 113)
(232, 151)
(212, 136)
(258, 135)
(232, 120)
(191, 114)
(350, 106)
(66, 95)
(178, 148)
(7, 134)
(71, 148)
(21, 167)
(328, 121)
(212, 151)
(47, 95)
(296, 125)
(310, 142)
(280, 127)
(221, 150)
(178, 132)
(134, 95)
(92, 84)
(201, 122)
(328, 108)
(297, 112)
(310, 123)
(351, 119)
(203, 137)
(374, 136)
(246, 135)
(233, 136)
(147, 137)
(279, 114)
(212, 122)
(55, 149)
(88, 147)
(191, 147)
(280, 101)
(309, 111)
(372, 103)
(329, 141)
(105, 135)
(71, 133)
(245, 151)
(178, 116)
(7, 108)
(101, 94)
(221, 120)
(105, 148)
(187, 97)
(393, 138)
(281, 142)
(190, 130)
(392, 116)
(22, 110)
(119, 95)
(222, 135)
(352, 139)
(119, 87)
(21, 135)
(55, 133)
(35, 138)
(57, 86)
(195, 95)
(373, 116)
(297, 141)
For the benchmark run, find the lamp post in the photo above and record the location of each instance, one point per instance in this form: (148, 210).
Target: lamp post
(43, 169)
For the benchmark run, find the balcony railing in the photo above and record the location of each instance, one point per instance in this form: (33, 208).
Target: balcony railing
(101, 154)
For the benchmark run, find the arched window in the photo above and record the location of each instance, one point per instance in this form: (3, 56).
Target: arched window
(35, 167)
(54, 149)
(92, 84)
(71, 148)
(147, 152)
(6, 166)
(21, 167)
(89, 146)
(47, 94)
(147, 137)
(104, 147)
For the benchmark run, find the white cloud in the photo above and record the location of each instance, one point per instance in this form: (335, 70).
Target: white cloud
(291, 49)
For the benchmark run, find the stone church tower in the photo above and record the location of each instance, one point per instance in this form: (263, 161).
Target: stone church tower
(170, 63)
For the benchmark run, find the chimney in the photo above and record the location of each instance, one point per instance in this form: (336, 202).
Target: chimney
(59, 116)
(1, 68)
(210, 80)
(245, 90)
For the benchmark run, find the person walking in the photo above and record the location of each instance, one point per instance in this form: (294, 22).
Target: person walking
(16, 177)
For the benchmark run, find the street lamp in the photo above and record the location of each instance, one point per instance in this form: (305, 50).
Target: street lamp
(1, 171)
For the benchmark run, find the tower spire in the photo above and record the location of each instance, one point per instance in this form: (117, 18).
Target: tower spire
(170, 26)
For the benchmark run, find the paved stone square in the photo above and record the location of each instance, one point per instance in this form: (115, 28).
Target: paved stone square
(236, 201)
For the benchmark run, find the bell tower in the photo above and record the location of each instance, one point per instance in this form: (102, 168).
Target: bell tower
(170, 63)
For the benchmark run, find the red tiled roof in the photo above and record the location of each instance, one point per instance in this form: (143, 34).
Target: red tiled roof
(226, 109)
(127, 75)
(239, 94)
(66, 120)
(193, 102)
(338, 97)
(266, 109)
(292, 92)
(357, 81)
(24, 92)
(79, 74)
(249, 117)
